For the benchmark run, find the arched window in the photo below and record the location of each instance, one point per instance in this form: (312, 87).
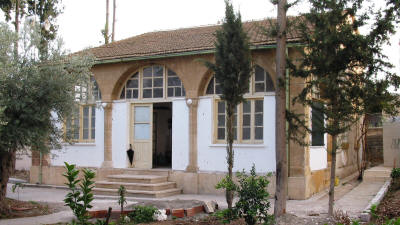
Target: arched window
(153, 82)
(259, 83)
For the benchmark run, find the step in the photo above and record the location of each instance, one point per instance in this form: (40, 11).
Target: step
(378, 173)
(138, 171)
(147, 179)
(136, 186)
(138, 193)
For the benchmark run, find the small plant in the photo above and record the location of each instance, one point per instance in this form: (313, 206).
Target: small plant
(253, 201)
(226, 215)
(342, 218)
(395, 173)
(373, 211)
(17, 186)
(122, 198)
(78, 201)
(143, 214)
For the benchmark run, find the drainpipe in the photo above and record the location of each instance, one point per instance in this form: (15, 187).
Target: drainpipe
(287, 89)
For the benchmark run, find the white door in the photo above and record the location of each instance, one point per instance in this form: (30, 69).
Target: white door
(141, 135)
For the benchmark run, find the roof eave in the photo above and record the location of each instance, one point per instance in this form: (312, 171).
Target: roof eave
(188, 53)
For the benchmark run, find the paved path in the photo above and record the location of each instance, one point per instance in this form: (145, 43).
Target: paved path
(351, 197)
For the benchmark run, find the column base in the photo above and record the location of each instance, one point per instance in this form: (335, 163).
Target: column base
(107, 164)
(192, 169)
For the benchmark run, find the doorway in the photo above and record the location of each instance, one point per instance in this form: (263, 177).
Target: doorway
(162, 135)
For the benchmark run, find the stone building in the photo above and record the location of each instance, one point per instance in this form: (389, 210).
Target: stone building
(158, 97)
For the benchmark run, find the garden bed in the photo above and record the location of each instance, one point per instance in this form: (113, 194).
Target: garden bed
(389, 207)
(21, 209)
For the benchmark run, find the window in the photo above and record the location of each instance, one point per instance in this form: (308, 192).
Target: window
(81, 127)
(262, 83)
(248, 121)
(87, 92)
(153, 82)
(317, 125)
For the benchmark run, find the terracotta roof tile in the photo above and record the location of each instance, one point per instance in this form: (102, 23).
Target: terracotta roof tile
(178, 41)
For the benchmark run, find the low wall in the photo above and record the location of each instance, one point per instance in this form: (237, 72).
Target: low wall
(191, 183)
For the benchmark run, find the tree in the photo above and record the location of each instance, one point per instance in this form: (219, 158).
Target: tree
(339, 62)
(105, 32)
(36, 95)
(19, 7)
(280, 111)
(232, 70)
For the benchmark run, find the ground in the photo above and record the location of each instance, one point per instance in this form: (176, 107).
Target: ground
(30, 208)
(390, 206)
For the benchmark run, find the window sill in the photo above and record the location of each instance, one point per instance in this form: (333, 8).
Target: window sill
(256, 146)
(79, 144)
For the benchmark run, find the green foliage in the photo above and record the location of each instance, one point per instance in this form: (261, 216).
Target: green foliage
(226, 215)
(373, 211)
(17, 186)
(143, 214)
(226, 183)
(395, 173)
(253, 201)
(79, 199)
(122, 198)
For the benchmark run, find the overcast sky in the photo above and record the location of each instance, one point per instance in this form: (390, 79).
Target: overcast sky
(82, 20)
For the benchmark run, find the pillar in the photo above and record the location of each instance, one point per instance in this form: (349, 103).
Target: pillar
(107, 163)
(192, 103)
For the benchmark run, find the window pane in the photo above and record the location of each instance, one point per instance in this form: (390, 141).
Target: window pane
(259, 106)
(317, 125)
(269, 83)
(259, 87)
(142, 131)
(157, 93)
(177, 91)
(170, 92)
(85, 123)
(158, 82)
(210, 87)
(174, 81)
(135, 93)
(246, 107)
(132, 84)
(246, 120)
(147, 93)
(221, 133)
(218, 89)
(170, 72)
(142, 114)
(93, 134)
(122, 96)
(158, 71)
(221, 107)
(259, 74)
(259, 119)
(259, 133)
(85, 134)
(147, 72)
(147, 83)
(221, 120)
(129, 94)
(246, 133)
(135, 75)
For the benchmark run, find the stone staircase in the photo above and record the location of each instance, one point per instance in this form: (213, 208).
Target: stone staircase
(377, 173)
(138, 183)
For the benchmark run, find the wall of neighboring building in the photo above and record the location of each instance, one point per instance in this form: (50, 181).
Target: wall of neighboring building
(212, 157)
(24, 160)
(83, 154)
(391, 142)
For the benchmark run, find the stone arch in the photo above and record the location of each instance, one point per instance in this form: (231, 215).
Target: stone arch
(207, 76)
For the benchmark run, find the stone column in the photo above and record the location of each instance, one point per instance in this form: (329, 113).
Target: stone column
(192, 103)
(107, 163)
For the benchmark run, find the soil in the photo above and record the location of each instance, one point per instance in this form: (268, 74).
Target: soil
(21, 174)
(21, 209)
(389, 206)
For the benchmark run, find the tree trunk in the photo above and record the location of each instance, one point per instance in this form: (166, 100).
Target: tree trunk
(7, 163)
(16, 25)
(106, 27)
(280, 135)
(333, 176)
(113, 22)
(229, 151)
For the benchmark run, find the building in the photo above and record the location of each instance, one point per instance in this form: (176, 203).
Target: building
(158, 97)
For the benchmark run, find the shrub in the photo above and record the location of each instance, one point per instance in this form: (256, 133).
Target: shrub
(143, 214)
(226, 215)
(395, 173)
(78, 201)
(253, 201)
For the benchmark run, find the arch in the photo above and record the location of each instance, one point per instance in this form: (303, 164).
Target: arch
(152, 82)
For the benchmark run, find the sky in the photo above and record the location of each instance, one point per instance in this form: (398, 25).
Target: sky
(82, 21)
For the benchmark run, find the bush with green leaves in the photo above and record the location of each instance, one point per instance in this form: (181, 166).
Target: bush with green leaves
(226, 215)
(395, 173)
(143, 214)
(80, 195)
(253, 203)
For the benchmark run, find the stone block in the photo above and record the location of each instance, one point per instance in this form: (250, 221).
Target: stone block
(180, 213)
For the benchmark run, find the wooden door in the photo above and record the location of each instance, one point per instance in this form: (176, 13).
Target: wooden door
(142, 135)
